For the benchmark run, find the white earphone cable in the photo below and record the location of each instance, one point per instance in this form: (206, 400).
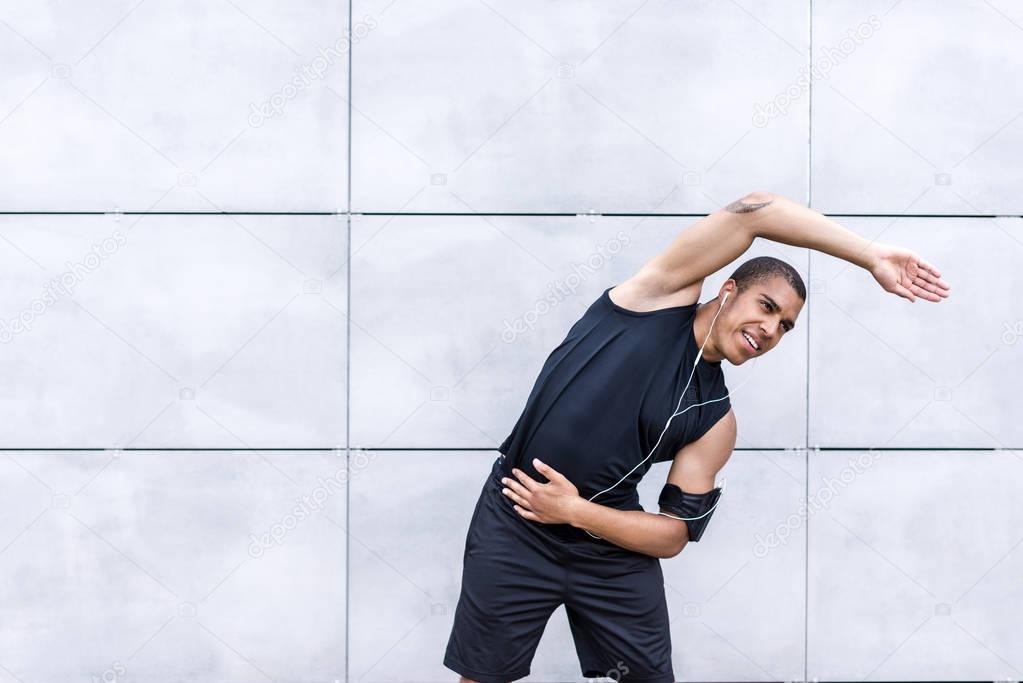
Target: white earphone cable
(675, 414)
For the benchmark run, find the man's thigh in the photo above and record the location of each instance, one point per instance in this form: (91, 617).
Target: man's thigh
(511, 584)
(619, 617)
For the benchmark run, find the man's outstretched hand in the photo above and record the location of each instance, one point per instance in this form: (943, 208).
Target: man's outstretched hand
(901, 271)
(550, 503)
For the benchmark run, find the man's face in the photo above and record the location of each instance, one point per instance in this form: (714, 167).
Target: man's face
(766, 311)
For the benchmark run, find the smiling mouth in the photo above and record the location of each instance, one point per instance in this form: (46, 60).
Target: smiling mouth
(751, 342)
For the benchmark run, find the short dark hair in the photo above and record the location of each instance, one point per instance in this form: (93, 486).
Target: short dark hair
(763, 268)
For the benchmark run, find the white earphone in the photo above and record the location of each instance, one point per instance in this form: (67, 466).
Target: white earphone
(674, 414)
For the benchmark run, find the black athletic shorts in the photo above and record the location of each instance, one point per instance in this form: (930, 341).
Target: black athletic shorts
(515, 574)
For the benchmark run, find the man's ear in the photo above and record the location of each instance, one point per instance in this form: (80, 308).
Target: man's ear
(728, 289)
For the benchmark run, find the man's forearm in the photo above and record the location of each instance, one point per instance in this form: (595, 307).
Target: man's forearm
(792, 223)
(643, 532)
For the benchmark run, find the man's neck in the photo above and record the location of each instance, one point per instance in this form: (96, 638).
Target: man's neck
(701, 325)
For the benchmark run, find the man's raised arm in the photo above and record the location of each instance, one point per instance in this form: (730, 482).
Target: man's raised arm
(675, 275)
(898, 270)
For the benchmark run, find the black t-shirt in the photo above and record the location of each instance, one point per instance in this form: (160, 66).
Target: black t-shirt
(604, 394)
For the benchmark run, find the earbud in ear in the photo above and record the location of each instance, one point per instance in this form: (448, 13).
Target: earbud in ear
(724, 298)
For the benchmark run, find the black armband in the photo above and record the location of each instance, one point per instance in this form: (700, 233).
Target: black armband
(693, 508)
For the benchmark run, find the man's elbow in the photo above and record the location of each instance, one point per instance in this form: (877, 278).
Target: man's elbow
(673, 551)
(677, 542)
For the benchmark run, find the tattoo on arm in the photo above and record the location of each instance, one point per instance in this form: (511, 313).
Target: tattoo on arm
(740, 206)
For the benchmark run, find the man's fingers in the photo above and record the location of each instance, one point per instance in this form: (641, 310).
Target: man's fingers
(527, 481)
(923, 293)
(903, 292)
(521, 493)
(937, 288)
(937, 281)
(515, 486)
(923, 274)
(526, 514)
(930, 268)
(932, 274)
(546, 470)
(931, 287)
(514, 496)
(924, 290)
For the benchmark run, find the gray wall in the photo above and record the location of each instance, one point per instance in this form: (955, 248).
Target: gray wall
(248, 406)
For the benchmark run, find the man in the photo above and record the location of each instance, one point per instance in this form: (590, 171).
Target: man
(637, 380)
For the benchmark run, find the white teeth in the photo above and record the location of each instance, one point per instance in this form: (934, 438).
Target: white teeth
(751, 342)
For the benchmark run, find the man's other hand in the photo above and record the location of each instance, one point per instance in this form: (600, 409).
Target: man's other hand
(550, 503)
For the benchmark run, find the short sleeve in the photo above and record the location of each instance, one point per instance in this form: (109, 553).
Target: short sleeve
(718, 409)
(713, 411)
